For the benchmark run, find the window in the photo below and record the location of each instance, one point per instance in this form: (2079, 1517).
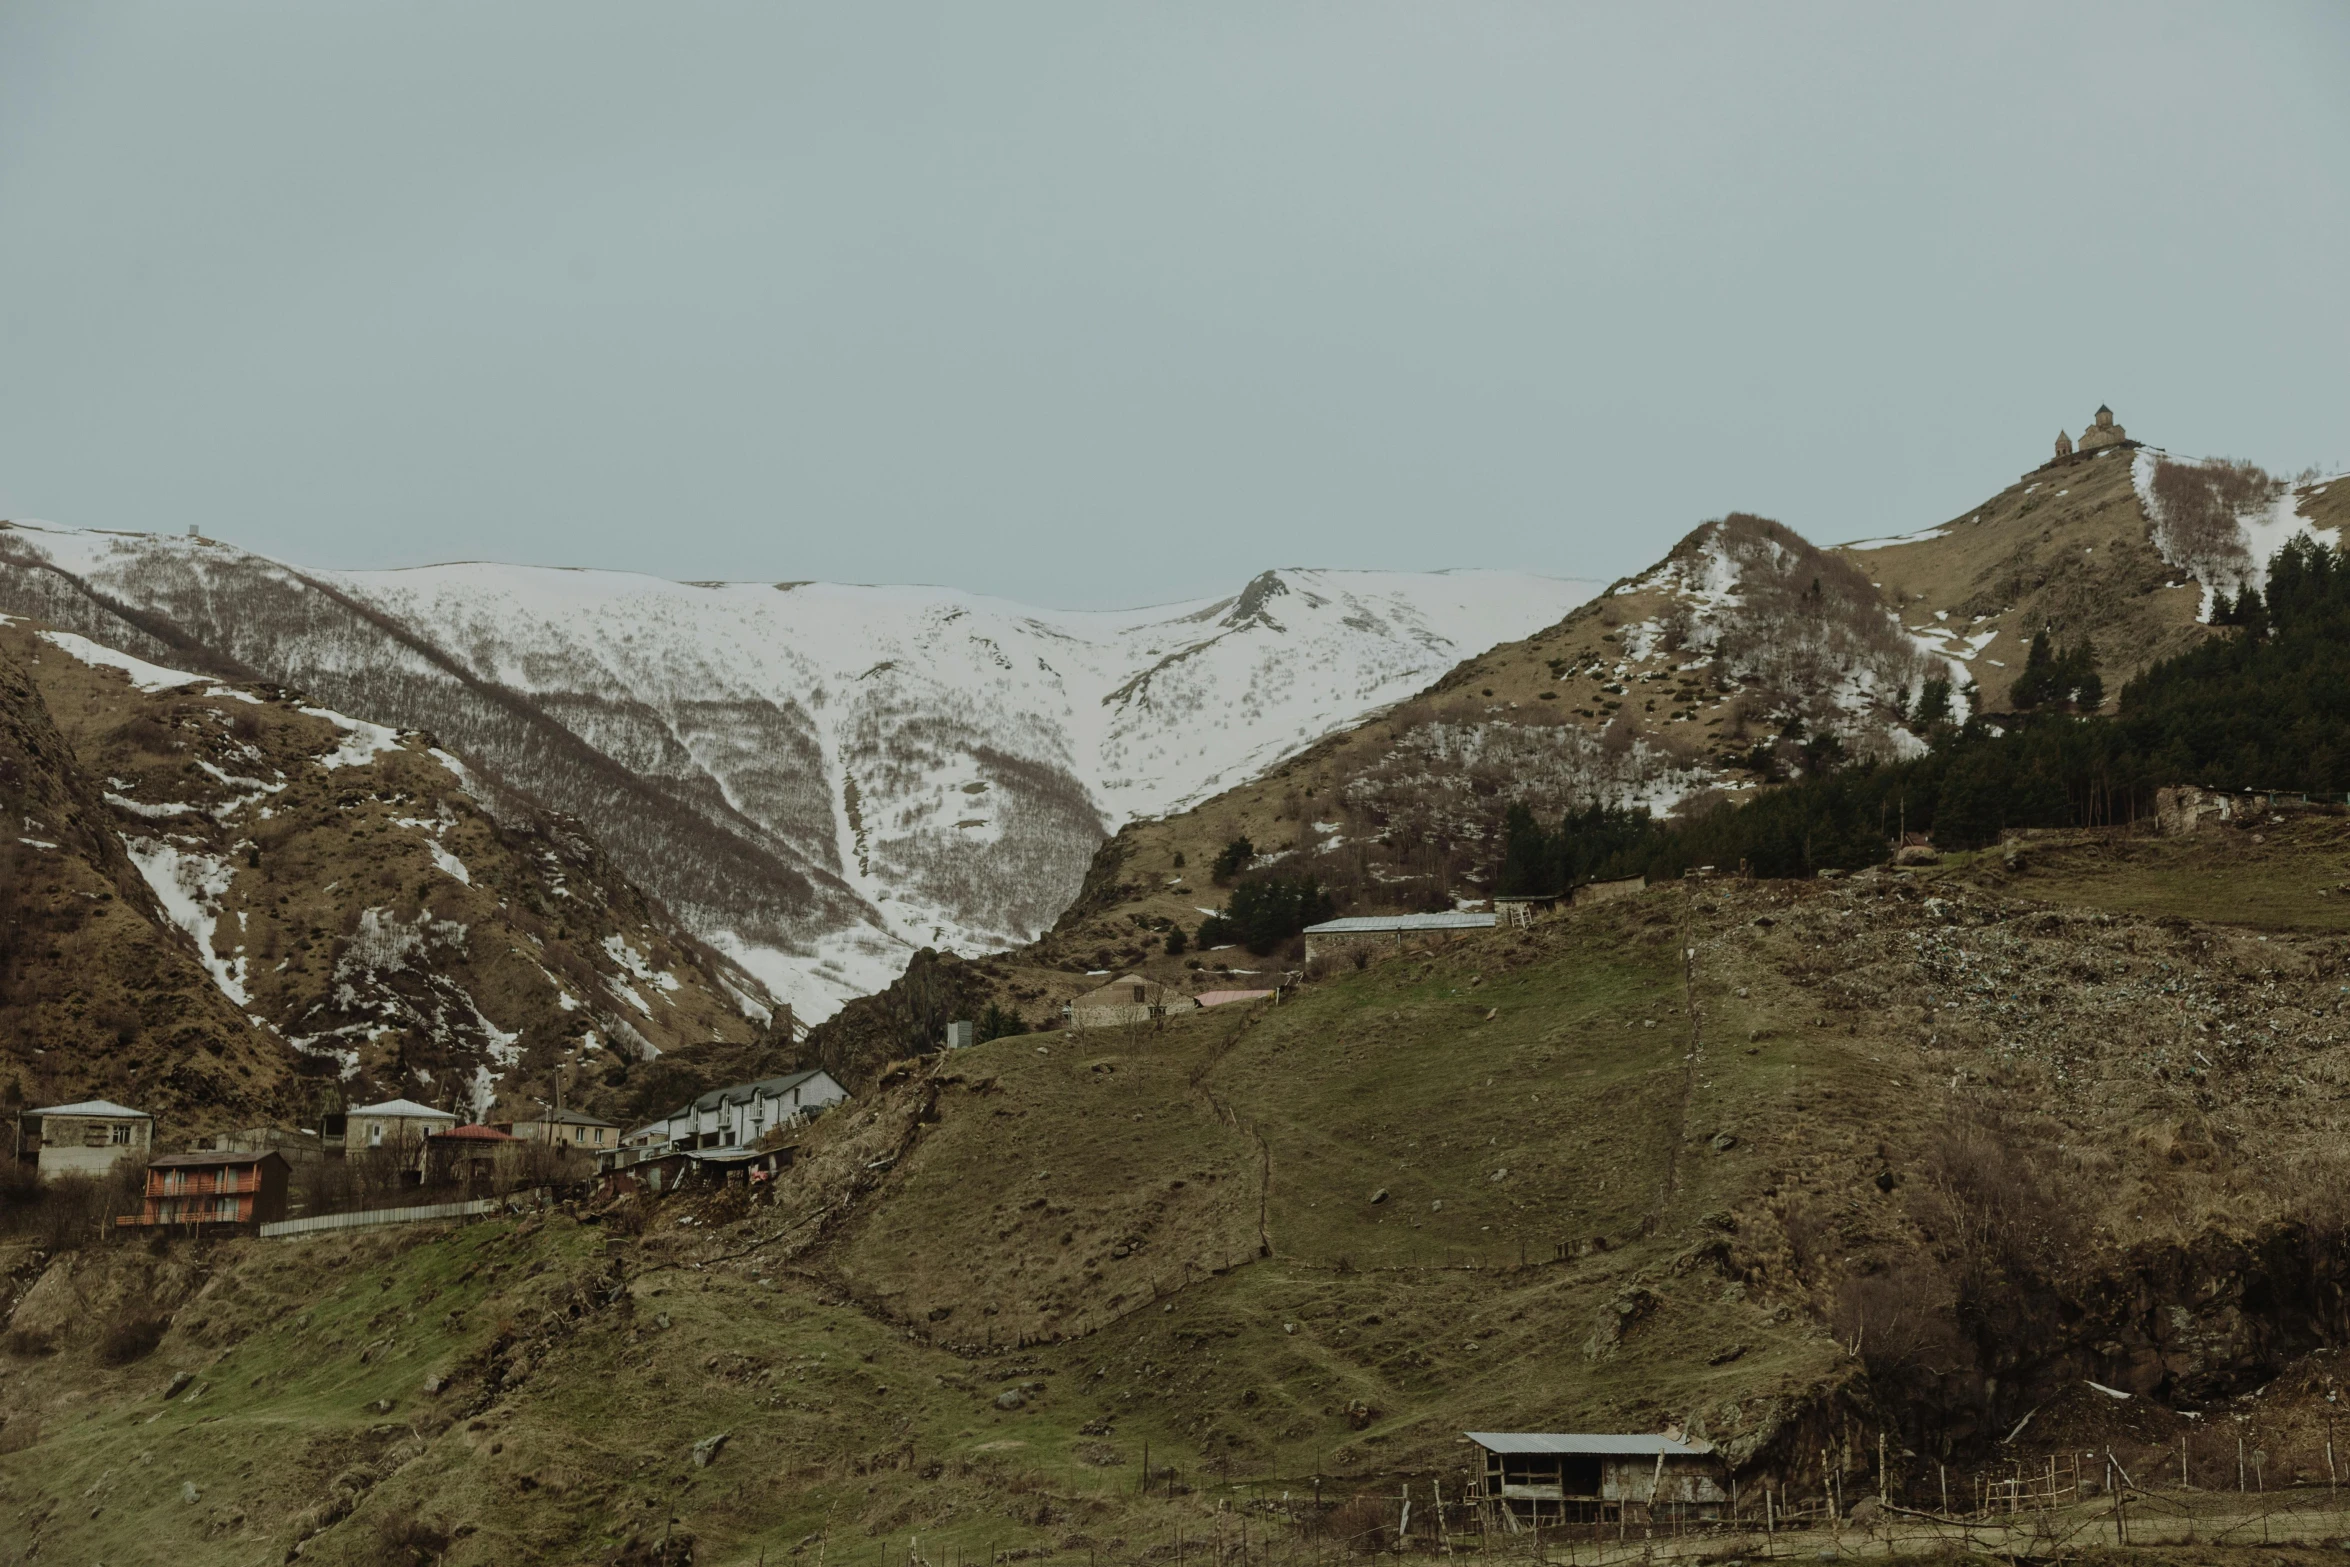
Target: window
(225, 1208)
(227, 1179)
(119, 1134)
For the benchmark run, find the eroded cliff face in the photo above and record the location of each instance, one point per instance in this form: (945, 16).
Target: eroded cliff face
(233, 905)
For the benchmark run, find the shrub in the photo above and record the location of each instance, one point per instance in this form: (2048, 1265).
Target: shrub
(26, 1344)
(70, 1211)
(1175, 941)
(1358, 1524)
(409, 1541)
(1232, 860)
(131, 1337)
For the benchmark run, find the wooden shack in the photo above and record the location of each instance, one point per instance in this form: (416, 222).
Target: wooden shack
(1546, 1478)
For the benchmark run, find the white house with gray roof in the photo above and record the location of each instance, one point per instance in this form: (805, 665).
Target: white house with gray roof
(397, 1121)
(735, 1117)
(87, 1138)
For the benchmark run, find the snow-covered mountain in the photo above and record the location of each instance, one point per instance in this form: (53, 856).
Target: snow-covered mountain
(815, 778)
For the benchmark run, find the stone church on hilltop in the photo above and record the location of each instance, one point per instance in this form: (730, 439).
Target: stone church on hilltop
(2102, 432)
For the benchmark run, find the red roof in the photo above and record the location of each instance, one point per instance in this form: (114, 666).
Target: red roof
(474, 1132)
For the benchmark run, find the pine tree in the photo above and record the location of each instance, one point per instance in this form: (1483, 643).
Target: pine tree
(2038, 681)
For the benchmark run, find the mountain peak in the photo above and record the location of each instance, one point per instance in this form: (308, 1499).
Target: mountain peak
(1261, 590)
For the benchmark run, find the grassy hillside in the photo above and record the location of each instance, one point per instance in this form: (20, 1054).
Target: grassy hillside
(1782, 1161)
(2065, 548)
(1692, 682)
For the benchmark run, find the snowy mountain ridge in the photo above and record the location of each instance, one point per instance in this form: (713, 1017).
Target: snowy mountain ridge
(815, 777)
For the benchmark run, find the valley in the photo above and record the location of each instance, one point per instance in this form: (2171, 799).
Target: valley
(1913, 1176)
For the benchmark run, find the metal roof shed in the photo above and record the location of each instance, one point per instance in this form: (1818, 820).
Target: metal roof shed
(1537, 1478)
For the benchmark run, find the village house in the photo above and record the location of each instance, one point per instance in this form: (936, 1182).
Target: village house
(203, 1191)
(736, 1117)
(1128, 999)
(1378, 934)
(1542, 1478)
(394, 1121)
(563, 1128)
(88, 1138)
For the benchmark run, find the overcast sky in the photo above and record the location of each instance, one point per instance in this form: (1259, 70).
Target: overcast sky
(1104, 304)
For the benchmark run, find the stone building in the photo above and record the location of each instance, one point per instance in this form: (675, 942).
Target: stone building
(2103, 432)
(1127, 1000)
(2064, 445)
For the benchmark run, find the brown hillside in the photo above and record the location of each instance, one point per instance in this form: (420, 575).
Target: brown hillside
(347, 893)
(100, 995)
(2067, 549)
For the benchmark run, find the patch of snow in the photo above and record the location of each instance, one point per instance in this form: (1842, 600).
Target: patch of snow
(259, 786)
(619, 951)
(457, 769)
(146, 676)
(504, 1048)
(190, 884)
(38, 843)
(151, 812)
(449, 863)
(363, 742)
(1899, 538)
(382, 944)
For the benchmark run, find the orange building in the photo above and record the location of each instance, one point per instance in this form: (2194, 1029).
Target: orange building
(199, 1189)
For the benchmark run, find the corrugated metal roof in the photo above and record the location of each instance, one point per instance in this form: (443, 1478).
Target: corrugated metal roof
(743, 1093)
(404, 1107)
(1580, 1444)
(184, 1161)
(94, 1107)
(1371, 924)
